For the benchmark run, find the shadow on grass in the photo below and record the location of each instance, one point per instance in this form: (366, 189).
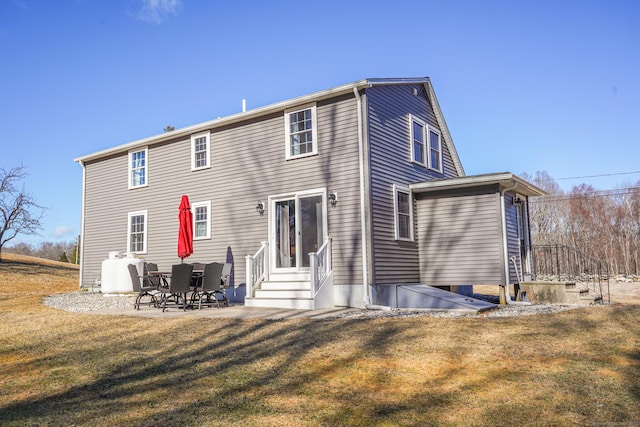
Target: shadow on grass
(335, 372)
(191, 371)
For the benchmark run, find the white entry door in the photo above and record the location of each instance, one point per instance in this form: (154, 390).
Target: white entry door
(298, 224)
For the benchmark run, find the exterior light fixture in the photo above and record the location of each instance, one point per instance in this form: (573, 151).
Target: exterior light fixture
(517, 201)
(333, 199)
(260, 207)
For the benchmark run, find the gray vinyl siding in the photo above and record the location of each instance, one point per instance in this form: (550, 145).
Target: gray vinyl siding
(460, 239)
(388, 128)
(247, 164)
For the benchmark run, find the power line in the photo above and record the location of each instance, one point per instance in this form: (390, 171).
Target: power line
(599, 193)
(589, 176)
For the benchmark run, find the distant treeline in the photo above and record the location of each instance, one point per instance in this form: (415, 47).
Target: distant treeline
(65, 252)
(601, 224)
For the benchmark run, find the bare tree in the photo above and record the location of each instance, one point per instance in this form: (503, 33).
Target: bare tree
(547, 214)
(19, 211)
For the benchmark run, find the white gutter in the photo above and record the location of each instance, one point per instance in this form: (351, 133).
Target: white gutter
(234, 118)
(246, 115)
(363, 212)
(505, 248)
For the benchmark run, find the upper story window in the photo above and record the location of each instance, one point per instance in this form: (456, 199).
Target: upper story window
(200, 151)
(435, 150)
(417, 141)
(403, 213)
(301, 132)
(138, 176)
(137, 232)
(201, 220)
(426, 145)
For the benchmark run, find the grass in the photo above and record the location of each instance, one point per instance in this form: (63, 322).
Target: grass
(578, 367)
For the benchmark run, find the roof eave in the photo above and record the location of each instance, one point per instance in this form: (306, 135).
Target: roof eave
(506, 180)
(278, 106)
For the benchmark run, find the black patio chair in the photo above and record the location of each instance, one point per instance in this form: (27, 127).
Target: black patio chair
(151, 276)
(210, 288)
(196, 278)
(179, 285)
(144, 288)
(226, 274)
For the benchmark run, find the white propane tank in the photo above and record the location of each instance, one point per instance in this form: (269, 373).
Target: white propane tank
(115, 272)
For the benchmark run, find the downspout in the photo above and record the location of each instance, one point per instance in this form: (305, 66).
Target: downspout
(505, 248)
(81, 248)
(366, 297)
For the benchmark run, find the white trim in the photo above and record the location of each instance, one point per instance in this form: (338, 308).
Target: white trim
(405, 190)
(503, 179)
(272, 218)
(207, 205)
(366, 294)
(262, 111)
(143, 213)
(314, 131)
(146, 167)
(82, 216)
(194, 138)
(428, 132)
(442, 124)
(412, 120)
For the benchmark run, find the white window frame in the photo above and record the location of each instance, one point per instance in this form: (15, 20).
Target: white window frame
(288, 134)
(194, 207)
(396, 213)
(194, 139)
(429, 131)
(415, 120)
(131, 169)
(130, 215)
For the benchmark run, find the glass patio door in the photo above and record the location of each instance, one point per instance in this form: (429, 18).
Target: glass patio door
(298, 228)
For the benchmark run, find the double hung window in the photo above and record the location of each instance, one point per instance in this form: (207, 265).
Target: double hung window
(301, 132)
(201, 220)
(403, 213)
(426, 145)
(137, 232)
(200, 151)
(417, 142)
(435, 150)
(138, 176)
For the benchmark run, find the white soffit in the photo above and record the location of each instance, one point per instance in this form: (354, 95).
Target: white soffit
(505, 180)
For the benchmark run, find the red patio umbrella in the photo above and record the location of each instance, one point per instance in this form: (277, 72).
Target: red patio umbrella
(185, 230)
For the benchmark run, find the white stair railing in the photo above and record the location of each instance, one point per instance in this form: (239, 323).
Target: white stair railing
(320, 266)
(257, 268)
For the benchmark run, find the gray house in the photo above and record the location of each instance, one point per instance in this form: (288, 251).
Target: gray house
(337, 198)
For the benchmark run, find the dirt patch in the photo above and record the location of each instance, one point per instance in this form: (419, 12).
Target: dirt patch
(624, 292)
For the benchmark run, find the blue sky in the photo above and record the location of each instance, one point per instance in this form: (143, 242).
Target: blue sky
(525, 86)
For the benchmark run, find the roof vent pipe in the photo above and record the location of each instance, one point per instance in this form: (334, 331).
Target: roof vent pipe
(244, 105)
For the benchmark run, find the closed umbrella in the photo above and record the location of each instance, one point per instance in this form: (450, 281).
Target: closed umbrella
(185, 230)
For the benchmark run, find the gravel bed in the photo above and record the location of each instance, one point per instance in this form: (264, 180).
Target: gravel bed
(499, 311)
(78, 302)
(87, 302)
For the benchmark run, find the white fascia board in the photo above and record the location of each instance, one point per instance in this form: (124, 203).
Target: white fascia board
(279, 106)
(211, 124)
(446, 135)
(505, 179)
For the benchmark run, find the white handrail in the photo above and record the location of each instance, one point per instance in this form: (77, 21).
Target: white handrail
(257, 268)
(320, 264)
